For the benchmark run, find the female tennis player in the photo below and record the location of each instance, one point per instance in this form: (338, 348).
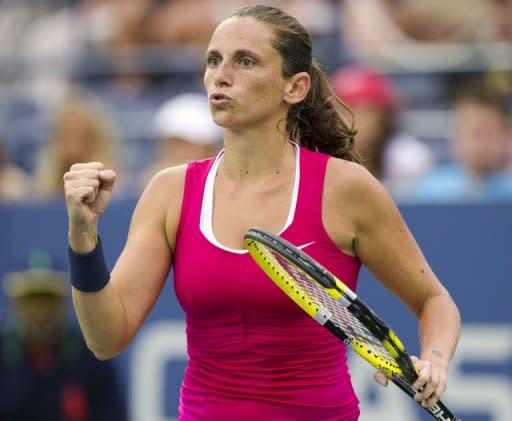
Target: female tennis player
(287, 166)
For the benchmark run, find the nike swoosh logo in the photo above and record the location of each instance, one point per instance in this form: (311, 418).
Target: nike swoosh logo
(303, 246)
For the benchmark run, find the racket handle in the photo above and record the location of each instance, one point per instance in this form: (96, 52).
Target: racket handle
(439, 411)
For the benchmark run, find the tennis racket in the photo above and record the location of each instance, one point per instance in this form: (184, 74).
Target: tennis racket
(330, 302)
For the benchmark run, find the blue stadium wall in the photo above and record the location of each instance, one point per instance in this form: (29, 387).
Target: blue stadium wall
(469, 247)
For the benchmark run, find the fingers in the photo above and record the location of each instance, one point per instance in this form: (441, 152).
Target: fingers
(83, 182)
(81, 186)
(84, 190)
(381, 378)
(88, 165)
(87, 188)
(108, 178)
(430, 384)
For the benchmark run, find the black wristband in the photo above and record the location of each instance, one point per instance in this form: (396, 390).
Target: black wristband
(88, 271)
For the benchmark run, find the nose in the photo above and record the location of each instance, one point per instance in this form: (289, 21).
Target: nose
(223, 75)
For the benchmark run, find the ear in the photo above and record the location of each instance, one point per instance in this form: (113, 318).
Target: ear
(297, 88)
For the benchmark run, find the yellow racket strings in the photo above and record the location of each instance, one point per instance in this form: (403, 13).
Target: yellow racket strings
(364, 342)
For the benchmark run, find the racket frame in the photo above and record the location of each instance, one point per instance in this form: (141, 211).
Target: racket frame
(402, 374)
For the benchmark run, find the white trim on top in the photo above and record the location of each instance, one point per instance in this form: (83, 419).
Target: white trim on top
(206, 218)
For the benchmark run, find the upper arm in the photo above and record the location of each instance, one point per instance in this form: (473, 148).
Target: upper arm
(143, 266)
(381, 238)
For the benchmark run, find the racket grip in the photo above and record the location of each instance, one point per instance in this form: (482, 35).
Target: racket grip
(443, 413)
(439, 411)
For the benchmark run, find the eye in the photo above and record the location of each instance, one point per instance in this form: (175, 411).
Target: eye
(247, 62)
(213, 61)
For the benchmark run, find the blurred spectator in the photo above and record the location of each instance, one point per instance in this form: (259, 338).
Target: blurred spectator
(185, 131)
(394, 157)
(46, 371)
(497, 23)
(80, 133)
(371, 27)
(117, 30)
(83, 41)
(435, 20)
(176, 23)
(15, 185)
(16, 17)
(480, 143)
(124, 22)
(47, 47)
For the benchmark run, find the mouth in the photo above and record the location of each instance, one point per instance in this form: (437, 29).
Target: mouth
(219, 98)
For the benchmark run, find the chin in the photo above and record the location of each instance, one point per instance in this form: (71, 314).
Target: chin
(220, 119)
(225, 122)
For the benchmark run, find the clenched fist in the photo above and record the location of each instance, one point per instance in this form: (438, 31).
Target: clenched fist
(88, 189)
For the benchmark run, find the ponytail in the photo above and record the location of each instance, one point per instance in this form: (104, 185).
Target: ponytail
(319, 122)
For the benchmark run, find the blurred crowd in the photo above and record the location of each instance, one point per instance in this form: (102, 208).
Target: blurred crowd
(46, 371)
(120, 82)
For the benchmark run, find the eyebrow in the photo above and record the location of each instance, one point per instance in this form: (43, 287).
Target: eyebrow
(238, 53)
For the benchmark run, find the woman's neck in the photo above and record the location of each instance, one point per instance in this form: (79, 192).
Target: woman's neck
(250, 156)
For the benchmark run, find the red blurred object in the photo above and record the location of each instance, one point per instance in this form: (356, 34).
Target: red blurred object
(74, 403)
(359, 85)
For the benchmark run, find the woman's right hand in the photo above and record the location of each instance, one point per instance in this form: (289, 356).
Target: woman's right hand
(88, 189)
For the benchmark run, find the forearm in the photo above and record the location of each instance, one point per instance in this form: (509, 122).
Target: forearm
(83, 239)
(98, 307)
(102, 319)
(439, 329)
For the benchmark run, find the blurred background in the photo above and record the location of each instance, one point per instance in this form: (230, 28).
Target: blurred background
(430, 84)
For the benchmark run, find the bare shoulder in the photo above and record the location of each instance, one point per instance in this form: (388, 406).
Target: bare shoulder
(354, 200)
(168, 182)
(353, 187)
(345, 177)
(163, 188)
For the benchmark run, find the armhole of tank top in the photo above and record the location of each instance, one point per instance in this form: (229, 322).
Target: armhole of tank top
(321, 216)
(185, 199)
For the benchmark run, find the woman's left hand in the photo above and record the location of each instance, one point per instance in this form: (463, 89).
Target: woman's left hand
(431, 381)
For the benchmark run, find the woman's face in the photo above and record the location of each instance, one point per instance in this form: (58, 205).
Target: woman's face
(481, 138)
(243, 76)
(73, 138)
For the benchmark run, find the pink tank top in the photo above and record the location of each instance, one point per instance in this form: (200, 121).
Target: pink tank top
(253, 354)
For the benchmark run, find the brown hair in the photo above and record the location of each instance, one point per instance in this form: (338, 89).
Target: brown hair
(477, 91)
(51, 166)
(318, 122)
